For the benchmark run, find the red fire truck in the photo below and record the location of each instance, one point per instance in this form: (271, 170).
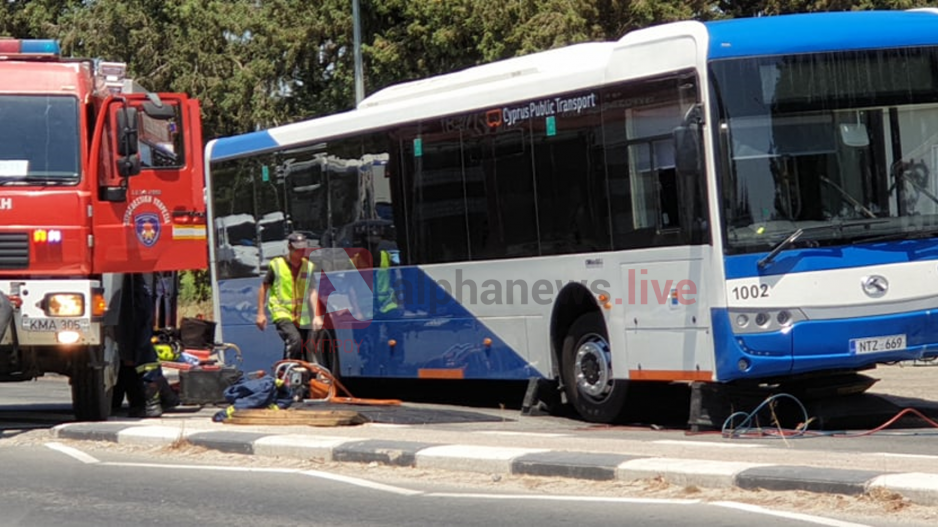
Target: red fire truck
(98, 178)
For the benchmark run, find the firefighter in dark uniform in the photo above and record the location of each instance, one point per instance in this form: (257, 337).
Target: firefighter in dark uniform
(140, 375)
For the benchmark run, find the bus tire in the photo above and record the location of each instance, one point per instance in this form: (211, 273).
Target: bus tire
(91, 398)
(587, 371)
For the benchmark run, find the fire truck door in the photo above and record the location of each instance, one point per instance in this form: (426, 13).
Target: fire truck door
(158, 222)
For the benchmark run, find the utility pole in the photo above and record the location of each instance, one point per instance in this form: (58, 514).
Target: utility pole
(357, 35)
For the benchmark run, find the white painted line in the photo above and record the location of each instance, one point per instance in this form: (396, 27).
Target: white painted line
(707, 444)
(560, 498)
(386, 425)
(72, 452)
(358, 482)
(790, 515)
(911, 456)
(313, 473)
(523, 434)
(203, 467)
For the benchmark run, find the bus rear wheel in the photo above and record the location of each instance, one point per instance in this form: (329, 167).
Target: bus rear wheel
(587, 371)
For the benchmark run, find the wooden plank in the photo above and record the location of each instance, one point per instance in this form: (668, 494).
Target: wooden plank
(288, 417)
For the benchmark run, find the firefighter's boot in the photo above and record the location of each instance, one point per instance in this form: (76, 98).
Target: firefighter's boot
(168, 397)
(149, 389)
(152, 407)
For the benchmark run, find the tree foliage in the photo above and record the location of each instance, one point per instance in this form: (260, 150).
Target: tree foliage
(262, 63)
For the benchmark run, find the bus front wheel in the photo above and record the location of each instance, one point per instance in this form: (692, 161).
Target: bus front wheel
(587, 371)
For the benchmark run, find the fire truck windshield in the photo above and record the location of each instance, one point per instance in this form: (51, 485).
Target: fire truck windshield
(39, 139)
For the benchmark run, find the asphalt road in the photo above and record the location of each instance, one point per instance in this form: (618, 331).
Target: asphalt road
(42, 486)
(54, 484)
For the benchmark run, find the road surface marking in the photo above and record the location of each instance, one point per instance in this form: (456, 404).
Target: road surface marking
(358, 482)
(560, 497)
(783, 514)
(72, 452)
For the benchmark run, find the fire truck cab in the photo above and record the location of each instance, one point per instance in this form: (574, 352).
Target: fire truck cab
(98, 179)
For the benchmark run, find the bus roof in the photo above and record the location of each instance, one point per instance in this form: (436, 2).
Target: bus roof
(814, 32)
(583, 66)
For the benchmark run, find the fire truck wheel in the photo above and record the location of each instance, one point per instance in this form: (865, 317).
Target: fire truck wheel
(91, 399)
(587, 371)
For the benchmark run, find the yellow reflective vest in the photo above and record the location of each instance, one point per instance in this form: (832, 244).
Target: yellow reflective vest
(289, 295)
(383, 290)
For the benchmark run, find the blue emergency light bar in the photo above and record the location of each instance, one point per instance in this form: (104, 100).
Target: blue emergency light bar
(15, 48)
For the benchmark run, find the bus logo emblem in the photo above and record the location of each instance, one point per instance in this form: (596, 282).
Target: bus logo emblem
(493, 118)
(875, 286)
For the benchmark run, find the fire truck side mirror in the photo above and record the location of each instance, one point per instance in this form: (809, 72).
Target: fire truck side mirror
(127, 132)
(128, 165)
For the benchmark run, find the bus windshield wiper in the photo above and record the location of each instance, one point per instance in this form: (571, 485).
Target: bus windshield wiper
(784, 244)
(903, 235)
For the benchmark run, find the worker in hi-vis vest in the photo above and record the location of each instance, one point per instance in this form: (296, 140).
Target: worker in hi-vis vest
(378, 237)
(293, 294)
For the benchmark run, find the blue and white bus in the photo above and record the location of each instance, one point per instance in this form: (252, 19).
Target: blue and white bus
(738, 201)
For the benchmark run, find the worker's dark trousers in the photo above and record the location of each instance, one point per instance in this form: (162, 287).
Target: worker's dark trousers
(294, 340)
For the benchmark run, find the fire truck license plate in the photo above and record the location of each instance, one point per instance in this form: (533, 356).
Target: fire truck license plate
(51, 324)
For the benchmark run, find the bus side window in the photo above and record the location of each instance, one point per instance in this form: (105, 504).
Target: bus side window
(656, 201)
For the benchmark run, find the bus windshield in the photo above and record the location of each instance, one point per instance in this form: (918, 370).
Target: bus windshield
(827, 139)
(39, 139)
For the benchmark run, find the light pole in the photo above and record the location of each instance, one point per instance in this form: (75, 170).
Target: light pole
(357, 36)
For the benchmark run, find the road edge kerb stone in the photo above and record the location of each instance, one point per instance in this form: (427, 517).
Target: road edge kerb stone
(578, 465)
(812, 479)
(921, 488)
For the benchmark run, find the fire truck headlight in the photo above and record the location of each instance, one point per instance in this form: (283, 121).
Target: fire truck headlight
(67, 337)
(64, 304)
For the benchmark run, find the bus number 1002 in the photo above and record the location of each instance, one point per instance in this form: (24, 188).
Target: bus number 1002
(747, 292)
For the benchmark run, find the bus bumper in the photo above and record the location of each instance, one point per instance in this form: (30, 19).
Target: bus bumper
(819, 345)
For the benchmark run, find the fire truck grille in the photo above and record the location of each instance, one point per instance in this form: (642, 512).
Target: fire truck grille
(14, 250)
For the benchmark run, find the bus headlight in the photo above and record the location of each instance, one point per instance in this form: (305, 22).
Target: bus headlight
(747, 321)
(64, 304)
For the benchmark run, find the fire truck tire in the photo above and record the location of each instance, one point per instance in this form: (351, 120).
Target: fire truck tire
(587, 371)
(91, 399)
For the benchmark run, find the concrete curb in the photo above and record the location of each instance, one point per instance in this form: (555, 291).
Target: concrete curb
(594, 466)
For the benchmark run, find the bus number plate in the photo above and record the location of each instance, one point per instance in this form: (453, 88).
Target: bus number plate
(878, 344)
